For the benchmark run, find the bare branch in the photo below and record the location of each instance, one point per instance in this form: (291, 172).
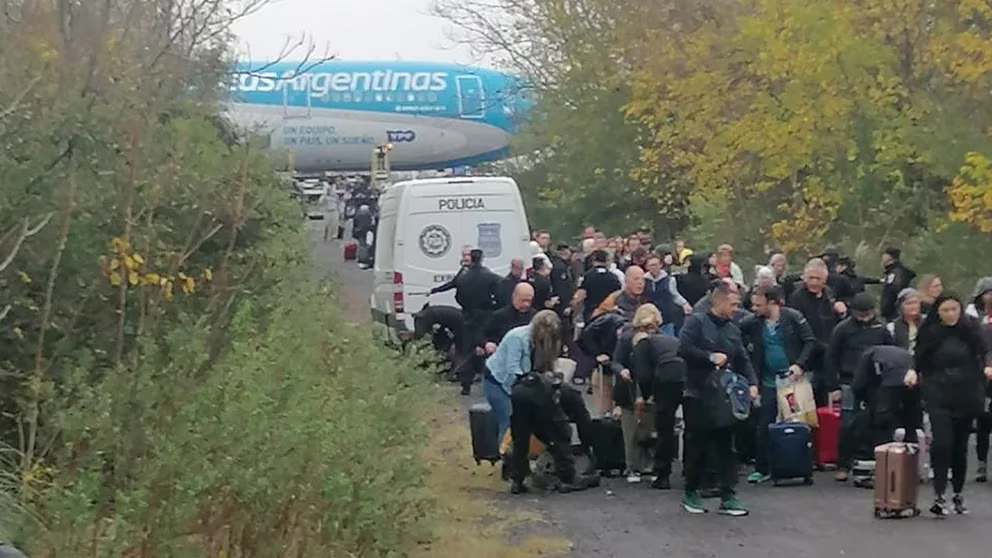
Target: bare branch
(26, 232)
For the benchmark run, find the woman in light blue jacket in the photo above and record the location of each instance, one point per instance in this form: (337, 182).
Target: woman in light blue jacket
(510, 360)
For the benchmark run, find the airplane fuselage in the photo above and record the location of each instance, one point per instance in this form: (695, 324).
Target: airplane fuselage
(329, 116)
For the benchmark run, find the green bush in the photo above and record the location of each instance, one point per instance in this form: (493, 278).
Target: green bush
(301, 440)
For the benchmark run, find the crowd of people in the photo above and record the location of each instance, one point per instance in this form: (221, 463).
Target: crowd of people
(657, 328)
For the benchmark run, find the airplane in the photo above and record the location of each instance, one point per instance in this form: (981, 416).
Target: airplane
(331, 115)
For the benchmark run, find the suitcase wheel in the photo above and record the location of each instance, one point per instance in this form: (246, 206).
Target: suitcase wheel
(879, 514)
(808, 481)
(775, 482)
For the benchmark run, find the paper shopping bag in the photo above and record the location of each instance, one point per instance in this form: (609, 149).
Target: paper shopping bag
(796, 402)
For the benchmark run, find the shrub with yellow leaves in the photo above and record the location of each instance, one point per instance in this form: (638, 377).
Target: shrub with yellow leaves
(124, 264)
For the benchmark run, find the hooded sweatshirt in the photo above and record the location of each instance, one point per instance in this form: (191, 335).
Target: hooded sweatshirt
(694, 283)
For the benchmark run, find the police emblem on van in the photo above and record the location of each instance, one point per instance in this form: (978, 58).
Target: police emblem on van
(490, 240)
(435, 241)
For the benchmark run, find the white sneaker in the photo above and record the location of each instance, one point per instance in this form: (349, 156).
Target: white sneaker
(633, 478)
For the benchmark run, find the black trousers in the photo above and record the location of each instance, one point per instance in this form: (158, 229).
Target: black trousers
(469, 363)
(708, 446)
(667, 400)
(949, 449)
(574, 407)
(982, 434)
(534, 413)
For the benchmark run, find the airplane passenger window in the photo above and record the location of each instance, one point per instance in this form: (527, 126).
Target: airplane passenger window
(411, 97)
(346, 97)
(390, 97)
(421, 97)
(378, 97)
(432, 97)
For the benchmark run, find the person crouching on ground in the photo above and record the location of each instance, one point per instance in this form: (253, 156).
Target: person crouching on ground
(709, 341)
(535, 402)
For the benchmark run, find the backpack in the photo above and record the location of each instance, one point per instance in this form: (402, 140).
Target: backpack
(731, 399)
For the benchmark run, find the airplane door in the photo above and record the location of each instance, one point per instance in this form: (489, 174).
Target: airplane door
(471, 97)
(296, 102)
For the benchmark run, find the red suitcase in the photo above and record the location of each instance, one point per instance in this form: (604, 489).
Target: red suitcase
(350, 250)
(825, 437)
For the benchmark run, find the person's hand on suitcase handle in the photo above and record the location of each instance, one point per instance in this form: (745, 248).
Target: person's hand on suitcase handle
(795, 373)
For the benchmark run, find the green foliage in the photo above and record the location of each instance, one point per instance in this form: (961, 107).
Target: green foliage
(300, 440)
(171, 384)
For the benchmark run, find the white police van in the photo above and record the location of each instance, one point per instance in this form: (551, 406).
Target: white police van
(424, 226)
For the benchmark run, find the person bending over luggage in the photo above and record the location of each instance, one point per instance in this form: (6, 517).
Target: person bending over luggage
(518, 313)
(535, 398)
(598, 340)
(653, 359)
(849, 341)
(952, 366)
(710, 342)
(879, 381)
(443, 324)
(509, 360)
(476, 291)
(781, 341)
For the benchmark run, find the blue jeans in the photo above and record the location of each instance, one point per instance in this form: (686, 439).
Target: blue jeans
(668, 329)
(499, 400)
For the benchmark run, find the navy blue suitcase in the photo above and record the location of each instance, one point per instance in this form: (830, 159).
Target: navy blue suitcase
(790, 452)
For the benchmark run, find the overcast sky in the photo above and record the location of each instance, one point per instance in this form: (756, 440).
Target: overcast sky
(351, 30)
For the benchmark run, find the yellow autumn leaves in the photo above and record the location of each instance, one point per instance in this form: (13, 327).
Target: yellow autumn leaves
(819, 110)
(125, 266)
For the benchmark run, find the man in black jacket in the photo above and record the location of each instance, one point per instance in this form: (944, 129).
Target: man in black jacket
(476, 291)
(851, 338)
(509, 282)
(896, 278)
(709, 342)
(780, 342)
(518, 313)
(816, 302)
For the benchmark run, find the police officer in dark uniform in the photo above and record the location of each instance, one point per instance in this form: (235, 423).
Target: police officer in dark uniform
(477, 292)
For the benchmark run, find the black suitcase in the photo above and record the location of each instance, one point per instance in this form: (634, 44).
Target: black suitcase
(364, 255)
(484, 431)
(607, 446)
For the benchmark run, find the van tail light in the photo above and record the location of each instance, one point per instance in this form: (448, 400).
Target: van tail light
(398, 306)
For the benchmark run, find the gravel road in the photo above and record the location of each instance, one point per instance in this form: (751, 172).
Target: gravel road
(819, 521)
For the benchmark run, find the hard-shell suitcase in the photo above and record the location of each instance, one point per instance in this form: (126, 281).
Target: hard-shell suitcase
(607, 446)
(897, 480)
(350, 250)
(790, 452)
(825, 437)
(363, 254)
(923, 450)
(484, 432)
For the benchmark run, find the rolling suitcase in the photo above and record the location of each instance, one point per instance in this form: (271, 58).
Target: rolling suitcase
(484, 431)
(790, 452)
(825, 437)
(363, 254)
(897, 480)
(350, 250)
(607, 446)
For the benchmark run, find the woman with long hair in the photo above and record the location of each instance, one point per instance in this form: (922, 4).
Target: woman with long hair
(534, 398)
(951, 364)
(929, 288)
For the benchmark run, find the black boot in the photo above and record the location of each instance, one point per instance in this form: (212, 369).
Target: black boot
(661, 482)
(518, 487)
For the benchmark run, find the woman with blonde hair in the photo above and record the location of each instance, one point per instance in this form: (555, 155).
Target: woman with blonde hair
(928, 288)
(650, 377)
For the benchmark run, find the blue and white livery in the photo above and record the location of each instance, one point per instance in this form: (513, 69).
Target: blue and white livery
(330, 115)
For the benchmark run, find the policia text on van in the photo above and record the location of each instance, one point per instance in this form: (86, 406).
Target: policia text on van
(424, 226)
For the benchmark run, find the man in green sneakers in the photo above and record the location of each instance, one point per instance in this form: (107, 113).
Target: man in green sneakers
(710, 342)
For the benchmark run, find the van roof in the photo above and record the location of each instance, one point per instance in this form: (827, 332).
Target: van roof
(425, 182)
